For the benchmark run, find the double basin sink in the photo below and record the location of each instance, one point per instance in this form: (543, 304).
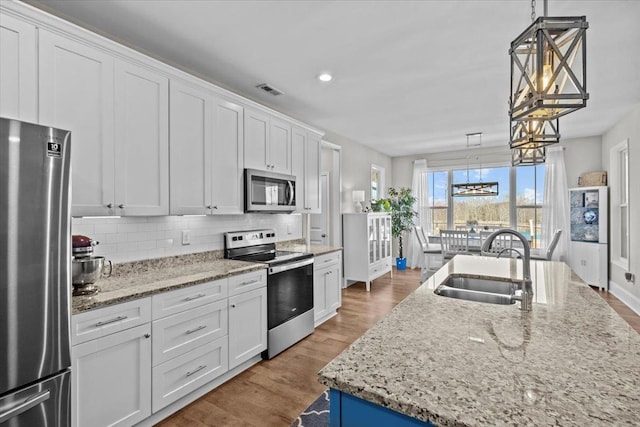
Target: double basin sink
(481, 290)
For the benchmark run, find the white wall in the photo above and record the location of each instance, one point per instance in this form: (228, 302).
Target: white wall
(582, 155)
(627, 127)
(136, 238)
(356, 168)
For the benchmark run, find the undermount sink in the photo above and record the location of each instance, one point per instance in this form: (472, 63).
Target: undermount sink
(481, 290)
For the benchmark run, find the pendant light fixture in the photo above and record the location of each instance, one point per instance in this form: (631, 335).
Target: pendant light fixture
(528, 156)
(480, 188)
(548, 68)
(534, 133)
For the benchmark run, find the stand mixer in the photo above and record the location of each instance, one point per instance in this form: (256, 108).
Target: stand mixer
(86, 268)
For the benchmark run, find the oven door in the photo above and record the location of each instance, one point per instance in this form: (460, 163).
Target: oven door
(289, 291)
(269, 192)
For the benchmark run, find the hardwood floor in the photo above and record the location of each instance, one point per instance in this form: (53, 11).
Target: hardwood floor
(274, 392)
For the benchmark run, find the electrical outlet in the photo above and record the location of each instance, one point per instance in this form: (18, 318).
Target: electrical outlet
(630, 277)
(186, 238)
(289, 231)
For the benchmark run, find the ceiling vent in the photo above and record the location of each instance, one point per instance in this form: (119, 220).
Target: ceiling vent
(269, 89)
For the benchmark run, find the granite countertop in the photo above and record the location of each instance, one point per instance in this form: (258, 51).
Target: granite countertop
(570, 361)
(143, 278)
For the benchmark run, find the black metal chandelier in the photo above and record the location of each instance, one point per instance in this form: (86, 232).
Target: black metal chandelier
(528, 156)
(470, 189)
(548, 68)
(534, 133)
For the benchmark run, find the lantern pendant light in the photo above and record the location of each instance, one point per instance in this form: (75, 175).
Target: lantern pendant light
(528, 156)
(480, 188)
(548, 68)
(534, 133)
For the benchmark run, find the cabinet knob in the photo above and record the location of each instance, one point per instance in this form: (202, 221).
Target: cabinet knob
(121, 205)
(147, 335)
(109, 205)
(233, 306)
(215, 207)
(209, 207)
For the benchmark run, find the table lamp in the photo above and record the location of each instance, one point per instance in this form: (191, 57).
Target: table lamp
(358, 198)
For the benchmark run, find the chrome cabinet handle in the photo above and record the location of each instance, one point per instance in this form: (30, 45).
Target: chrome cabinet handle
(121, 205)
(199, 328)
(115, 319)
(198, 369)
(215, 207)
(110, 205)
(209, 207)
(27, 404)
(191, 298)
(147, 335)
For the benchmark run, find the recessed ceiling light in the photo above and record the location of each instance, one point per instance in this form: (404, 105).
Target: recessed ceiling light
(325, 77)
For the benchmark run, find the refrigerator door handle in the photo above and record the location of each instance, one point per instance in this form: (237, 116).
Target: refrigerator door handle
(27, 404)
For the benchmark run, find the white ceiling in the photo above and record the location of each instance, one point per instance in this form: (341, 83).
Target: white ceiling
(411, 77)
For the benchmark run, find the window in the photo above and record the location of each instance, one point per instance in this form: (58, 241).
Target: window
(518, 203)
(619, 165)
(484, 212)
(529, 198)
(438, 200)
(377, 182)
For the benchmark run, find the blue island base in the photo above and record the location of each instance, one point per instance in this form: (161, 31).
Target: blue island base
(349, 411)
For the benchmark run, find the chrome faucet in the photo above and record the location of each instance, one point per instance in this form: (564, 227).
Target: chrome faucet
(526, 298)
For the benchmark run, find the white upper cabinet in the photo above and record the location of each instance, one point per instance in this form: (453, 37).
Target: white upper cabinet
(228, 154)
(190, 149)
(18, 70)
(305, 154)
(206, 152)
(267, 143)
(142, 141)
(76, 93)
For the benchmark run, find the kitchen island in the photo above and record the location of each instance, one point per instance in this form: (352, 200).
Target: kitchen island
(570, 361)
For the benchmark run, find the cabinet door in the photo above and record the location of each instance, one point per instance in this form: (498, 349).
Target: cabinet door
(256, 140)
(111, 379)
(190, 149)
(18, 82)
(227, 158)
(280, 146)
(142, 141)
(298, 146)
(312, 174)
(247, 326)
(320, 293)
(76, 93)
(333, 297)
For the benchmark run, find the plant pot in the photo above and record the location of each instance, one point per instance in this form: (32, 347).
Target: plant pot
(401, 263)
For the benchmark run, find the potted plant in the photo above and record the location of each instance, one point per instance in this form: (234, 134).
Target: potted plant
(402, 215)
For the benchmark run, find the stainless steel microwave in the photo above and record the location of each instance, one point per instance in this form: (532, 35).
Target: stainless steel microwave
(269, 192)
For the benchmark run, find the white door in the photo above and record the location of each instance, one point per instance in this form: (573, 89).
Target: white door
(18, 84)
(319, 230)
(142, 141)
(111, 379)
(76, 94)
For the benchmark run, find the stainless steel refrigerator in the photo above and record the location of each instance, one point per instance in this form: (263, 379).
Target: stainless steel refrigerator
(35, 282)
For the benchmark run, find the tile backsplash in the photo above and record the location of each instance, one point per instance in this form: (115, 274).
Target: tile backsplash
(128, 239)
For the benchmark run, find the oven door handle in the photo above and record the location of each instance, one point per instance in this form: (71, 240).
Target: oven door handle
(291, 266)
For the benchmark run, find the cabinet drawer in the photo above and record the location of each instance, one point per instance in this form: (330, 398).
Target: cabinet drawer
(182, 332)
(109, 320)
(173, 302)
(326, 260)
(379, 268)
(247, 282)
(184, 374)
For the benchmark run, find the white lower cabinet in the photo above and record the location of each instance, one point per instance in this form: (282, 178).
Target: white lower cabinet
(327, 275)
(247, 325)
(111, 379)
(133, 359)
(589, 261)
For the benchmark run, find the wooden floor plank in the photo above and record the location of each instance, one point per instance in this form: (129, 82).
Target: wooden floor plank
(274, 392)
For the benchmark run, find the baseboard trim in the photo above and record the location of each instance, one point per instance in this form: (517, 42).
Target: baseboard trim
(625, 296)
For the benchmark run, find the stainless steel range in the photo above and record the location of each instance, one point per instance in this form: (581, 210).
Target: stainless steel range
(289, 286)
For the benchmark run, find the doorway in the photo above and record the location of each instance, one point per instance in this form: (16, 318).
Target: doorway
(320, 223)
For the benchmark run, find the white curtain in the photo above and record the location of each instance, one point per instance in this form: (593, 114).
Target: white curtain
(420, 190)
(555, 211)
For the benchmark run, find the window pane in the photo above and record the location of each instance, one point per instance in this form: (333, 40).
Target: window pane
(528, 223)
(489, 211)
(623, 176)
(623, 232)
(438, 220)
(438, 189)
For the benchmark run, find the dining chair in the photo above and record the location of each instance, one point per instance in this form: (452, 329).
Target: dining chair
(453, 242)
(431, 252)
(501, 245)
(552, 247)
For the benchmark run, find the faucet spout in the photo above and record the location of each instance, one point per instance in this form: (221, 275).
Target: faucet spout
(527, 288)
